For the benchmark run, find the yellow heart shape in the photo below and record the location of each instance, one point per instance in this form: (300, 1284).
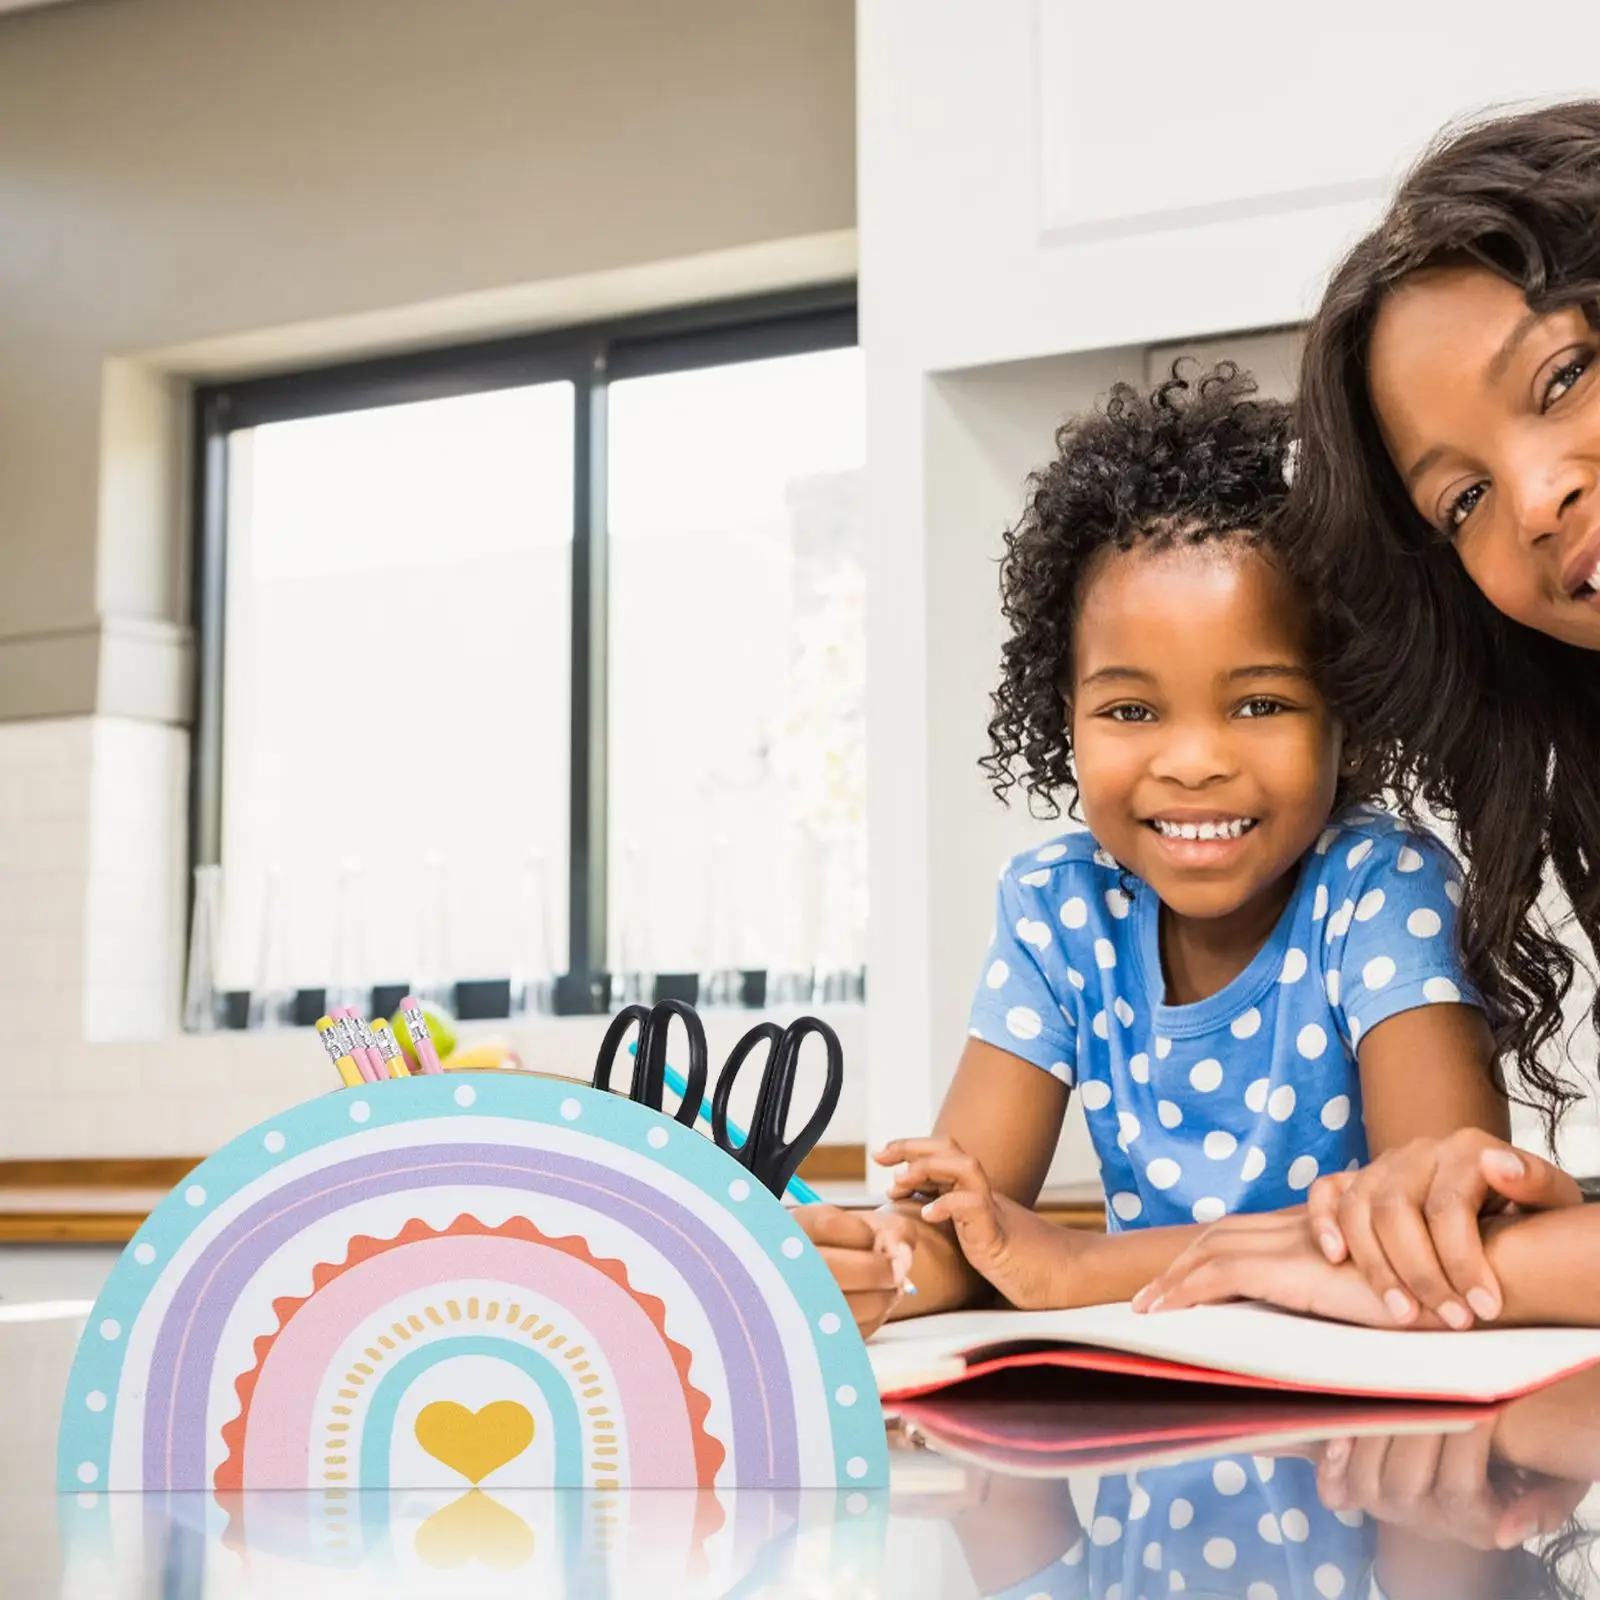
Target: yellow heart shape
(474, 1443)
(475, 1528)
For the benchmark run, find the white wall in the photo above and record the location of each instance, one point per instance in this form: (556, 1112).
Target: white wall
(1050, 196)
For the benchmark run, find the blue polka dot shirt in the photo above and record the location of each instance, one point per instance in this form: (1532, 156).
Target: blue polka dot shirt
(1246, 1526)
(1239, 1101)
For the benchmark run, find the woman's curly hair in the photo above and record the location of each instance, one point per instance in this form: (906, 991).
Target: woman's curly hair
(1498, 726)
(1197, 458)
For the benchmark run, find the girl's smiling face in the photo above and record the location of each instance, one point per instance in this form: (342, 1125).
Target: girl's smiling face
(1491, 414)
(1205, 756)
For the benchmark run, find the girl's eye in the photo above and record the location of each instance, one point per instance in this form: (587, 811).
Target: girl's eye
(1463, 506)
(1129, 714)
(1262, 706)
(1563, 378)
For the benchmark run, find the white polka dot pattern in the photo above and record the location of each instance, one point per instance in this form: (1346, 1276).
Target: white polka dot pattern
(1239, 1100)
(1024, 1022)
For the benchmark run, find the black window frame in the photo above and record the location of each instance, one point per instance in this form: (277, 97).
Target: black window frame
(590, 356)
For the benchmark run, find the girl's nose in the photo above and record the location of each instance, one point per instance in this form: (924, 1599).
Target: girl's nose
(1193, 757)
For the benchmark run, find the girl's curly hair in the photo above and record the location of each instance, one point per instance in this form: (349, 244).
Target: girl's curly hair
(1498, 727)
(1195, 459)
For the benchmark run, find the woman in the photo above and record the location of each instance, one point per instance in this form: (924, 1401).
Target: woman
(1449, 490)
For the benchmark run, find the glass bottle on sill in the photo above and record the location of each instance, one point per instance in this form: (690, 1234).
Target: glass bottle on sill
(272, 996)
(348, 967)
(533, 978)
(838, 976)
(201, 1002)
(789, 980)
(722, 981)
(633, 979)
(435, 981)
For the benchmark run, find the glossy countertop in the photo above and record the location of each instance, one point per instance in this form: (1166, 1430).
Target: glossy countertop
(1016, 1490)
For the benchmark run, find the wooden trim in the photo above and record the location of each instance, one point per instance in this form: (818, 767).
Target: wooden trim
(69, 1227)
(1090, 1214)
(98, 1172)
(835, 1163)
(828, 1163)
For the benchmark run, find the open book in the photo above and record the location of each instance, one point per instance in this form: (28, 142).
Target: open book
(1239, 1346)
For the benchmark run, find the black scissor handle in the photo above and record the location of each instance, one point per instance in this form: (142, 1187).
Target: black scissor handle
(652, 1058)
(647, 1085)
(782, 1158)
(612, 1043)
(744, 1153)
(765, 1152)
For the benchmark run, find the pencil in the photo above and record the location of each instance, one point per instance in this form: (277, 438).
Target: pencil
(344, 1063)
(421, 1040)
(389, 1051)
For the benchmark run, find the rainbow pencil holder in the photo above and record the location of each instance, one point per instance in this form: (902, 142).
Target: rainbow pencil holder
(485, 1279)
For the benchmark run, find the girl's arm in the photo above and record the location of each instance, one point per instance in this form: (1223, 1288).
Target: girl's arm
(1545, 1265)
(1008, 1113)
(1426, 1073)
(1423, 1071)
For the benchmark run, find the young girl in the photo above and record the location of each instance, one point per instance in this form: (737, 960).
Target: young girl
(1248, 978)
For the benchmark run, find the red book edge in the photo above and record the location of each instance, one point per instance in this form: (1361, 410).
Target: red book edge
(1175, 1371)
(1399, 1412)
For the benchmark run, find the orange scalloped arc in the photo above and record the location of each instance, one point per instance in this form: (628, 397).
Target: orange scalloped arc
(709, 1452)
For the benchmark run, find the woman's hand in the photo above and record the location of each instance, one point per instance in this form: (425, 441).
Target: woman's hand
(1444, 1486)
(1026, 1258)
(1410, 1222)
(1269, 1257)
(868, 1253)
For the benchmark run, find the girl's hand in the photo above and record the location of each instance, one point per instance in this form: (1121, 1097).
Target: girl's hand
(1410, 1222)
(868, 1253)
(1020, 1253)
(1269, 1257)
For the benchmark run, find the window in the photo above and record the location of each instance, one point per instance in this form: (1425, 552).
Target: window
(738, 673)
(535, 669)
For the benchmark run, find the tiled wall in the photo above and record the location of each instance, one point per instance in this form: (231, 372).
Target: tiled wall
(92, 905)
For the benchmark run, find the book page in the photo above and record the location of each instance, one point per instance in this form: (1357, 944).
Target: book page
(1250, 1341)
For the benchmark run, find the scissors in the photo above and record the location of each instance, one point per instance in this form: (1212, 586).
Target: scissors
(763, 1152)
(650, 1056)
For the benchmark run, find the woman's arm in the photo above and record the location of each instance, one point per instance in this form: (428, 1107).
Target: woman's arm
(1426, 1074)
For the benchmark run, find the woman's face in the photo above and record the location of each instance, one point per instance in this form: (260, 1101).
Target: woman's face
(1491, 413)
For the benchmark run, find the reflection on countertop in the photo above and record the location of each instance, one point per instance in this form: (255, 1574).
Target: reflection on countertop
(1021, 1491)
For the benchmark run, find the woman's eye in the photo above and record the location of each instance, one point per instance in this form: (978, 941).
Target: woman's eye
(1463, 506)
(1261, 706)
(1129, 714)
(1563, 378)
